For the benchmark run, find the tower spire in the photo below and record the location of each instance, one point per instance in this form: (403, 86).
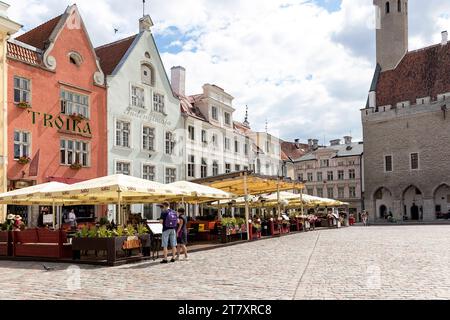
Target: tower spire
(246, 123)
(267, 126)
(143, 8)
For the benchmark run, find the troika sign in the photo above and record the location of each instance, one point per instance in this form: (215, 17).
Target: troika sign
(67, 123)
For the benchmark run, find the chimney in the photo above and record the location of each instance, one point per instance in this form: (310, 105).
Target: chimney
(178, 80)
(348, 140)
(297, 143)
(335, 142)
(145, 23)
(315, 144)
(444, 38)
(310, 144)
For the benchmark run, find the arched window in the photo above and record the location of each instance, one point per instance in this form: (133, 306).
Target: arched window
(399, 5)
(148, 76)
(388, 7)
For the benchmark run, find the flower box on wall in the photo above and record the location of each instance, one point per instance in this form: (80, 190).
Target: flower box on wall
(76, 166)
(24, 105)
(23, 160)
(77, 117)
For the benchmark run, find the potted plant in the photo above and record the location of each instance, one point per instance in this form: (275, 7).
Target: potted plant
(76, 166)
(23, 160)
(12, 223)
(24, 105)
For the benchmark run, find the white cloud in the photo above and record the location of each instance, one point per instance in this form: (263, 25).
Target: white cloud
(303, 68)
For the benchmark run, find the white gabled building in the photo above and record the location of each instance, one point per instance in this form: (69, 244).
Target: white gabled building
(145, 135)
(214, 144)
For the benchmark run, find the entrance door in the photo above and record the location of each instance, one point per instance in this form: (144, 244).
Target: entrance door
(383, 211)
(414, 212)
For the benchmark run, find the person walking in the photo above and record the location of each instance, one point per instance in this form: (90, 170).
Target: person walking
(182, 233)
(169, 220)
(365, 218)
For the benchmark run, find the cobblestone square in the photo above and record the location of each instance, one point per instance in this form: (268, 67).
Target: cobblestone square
(385, 262)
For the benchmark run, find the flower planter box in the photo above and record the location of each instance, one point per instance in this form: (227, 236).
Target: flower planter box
(255, 233)
(275, 228)
(24, 105)
(6, 248)
(112, 246)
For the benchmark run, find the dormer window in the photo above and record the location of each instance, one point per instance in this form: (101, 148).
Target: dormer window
(75, 58)
(147, 75)
(214, 113)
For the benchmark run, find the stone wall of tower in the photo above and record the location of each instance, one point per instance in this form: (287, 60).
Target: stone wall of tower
(392, 32)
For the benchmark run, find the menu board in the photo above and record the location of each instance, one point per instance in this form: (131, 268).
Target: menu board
(156, 228)
(285, 217)
(48, 219)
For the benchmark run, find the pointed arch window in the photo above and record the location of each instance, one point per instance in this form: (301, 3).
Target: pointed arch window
(388, 7)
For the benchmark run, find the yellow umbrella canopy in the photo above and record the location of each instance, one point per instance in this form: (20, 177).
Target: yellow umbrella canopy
(197, 193)
(108, 189)
(32, 195)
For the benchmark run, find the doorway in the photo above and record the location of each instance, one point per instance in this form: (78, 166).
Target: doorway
(383, 212)
(415, 212)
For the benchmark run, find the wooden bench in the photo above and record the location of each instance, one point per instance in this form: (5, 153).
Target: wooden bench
(5, 243)
(42, 243)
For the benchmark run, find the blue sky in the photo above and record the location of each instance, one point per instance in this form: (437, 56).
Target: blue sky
(304, 65)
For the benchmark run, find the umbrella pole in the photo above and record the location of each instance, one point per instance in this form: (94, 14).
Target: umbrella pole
(119, 209)
(54, 213)
(247, 218)
(301, 200)
(278, 197)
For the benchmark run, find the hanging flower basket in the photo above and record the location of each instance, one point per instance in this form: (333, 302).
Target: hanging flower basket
(24, 160)
(76, 166)
(77, 116)
(24, 105)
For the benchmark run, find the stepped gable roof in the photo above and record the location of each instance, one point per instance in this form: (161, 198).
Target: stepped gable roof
(111, 54)
(421, 73)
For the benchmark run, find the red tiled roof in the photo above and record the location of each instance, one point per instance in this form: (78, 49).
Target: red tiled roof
(26, 55)
(188, 108)
(291, 150)
(111, 54)
(38, 36)
(421, 73)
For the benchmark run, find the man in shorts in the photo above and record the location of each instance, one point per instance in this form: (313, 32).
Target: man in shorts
(169, 220)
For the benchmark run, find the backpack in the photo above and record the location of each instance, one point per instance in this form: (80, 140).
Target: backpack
(171, 220)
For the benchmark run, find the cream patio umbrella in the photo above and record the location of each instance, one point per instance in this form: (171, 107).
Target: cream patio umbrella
(120, 189)
(200, 193)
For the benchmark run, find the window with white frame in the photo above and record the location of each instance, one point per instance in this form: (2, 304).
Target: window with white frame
(330, 175)
(300, 177)
(22, 143)
(137, 97)
(122, 134)
(170, 142)
(148, 211)
(310, 176)
(22, 90)
(352, 192)
(123, 167)
(237, 168)
(191, 166)
(352, 174)
(148, 172)
(147, 75)
(158, 103)
(227, 118)
(215, 140)
(330, 193)
(74, 103)
(319, 176)
(324, 163)
(227, 168)
(388, 164)
(414, 161)
(320, 192)
(341, 193)
(215, 168)
(214, 113)
(236, 146)
(227, 143)
(246, 149)
(267, 146)
(204, 168)
(191, 133)
(171, 175)
(204, 137)
(74, 152)
(148, 138)
(341, 175)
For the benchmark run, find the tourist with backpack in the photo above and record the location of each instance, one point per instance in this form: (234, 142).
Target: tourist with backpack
(169, 220)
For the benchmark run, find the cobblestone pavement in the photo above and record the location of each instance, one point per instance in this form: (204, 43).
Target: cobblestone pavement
(406, 262)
